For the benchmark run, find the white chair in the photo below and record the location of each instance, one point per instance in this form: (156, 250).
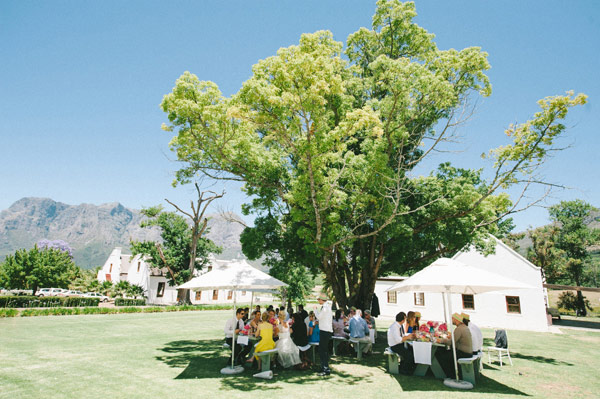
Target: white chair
(499, 350)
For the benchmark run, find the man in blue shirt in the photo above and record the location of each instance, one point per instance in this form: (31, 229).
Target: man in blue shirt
(359, 331)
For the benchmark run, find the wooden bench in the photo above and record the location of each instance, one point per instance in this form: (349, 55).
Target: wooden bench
(469, 367)
(393, 360)
(265, 359)
(336, 343)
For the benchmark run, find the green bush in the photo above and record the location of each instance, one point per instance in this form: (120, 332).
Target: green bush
(45, 302)
(8, 312)
(129, 302)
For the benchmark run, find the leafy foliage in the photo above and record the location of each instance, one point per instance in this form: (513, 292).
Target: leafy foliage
(573, 239)
(176, 239)
(569, 301)
(36, 268)
(326, 148)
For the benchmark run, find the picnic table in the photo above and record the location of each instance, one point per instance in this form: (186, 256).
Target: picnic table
(435, 366)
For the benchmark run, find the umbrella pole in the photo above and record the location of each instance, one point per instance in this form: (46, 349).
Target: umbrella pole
(452, 333)
(233, 340)
(445, 310)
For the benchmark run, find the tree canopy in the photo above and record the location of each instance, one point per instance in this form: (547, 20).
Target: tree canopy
(325, 139)
(38, 268)
(173, 253)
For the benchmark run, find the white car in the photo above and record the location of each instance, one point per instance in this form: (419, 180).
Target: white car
(50, 292)
(71, 293)
(103, 298)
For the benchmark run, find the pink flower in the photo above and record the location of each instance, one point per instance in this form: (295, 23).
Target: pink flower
(443, 327)
(423, 328)
(247, 327)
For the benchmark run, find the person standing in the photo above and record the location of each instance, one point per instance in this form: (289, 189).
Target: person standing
(325, 317)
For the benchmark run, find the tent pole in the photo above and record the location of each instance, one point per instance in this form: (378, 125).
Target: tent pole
(452, 333)
(251, 302)
(233, 340)
(445, 310)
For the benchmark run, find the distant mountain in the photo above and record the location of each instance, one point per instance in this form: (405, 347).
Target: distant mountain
(92, 230)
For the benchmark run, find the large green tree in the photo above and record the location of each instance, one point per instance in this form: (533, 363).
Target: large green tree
(174, 251)
(37, 268)
(574, 238)
(326, 144)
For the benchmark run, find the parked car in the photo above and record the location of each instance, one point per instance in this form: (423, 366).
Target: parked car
(50, 292)
(103, 298)
(71, 293)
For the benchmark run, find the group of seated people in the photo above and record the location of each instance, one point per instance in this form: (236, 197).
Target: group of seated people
(467, 338)
(287, 331)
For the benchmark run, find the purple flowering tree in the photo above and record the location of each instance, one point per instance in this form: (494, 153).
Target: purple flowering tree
(55, 244)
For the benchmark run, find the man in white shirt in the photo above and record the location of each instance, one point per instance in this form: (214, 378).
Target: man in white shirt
(397, 338)
(325, 317)
(235, 325)
(476, 335)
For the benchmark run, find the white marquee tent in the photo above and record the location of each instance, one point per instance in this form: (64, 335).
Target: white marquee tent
(236, 276)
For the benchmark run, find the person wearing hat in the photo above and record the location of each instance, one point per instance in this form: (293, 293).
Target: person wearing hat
(325, 320)
(476, 335)
(462, 341)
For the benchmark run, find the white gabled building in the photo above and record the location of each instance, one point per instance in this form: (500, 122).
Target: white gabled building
(135, 270)
(510, 309)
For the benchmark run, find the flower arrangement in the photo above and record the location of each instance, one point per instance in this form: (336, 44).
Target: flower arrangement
(246, 330)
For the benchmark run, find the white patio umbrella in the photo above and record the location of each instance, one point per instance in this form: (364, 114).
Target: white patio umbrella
(449, 276)
(235, 276)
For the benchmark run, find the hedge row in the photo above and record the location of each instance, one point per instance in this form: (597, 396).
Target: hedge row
(129, 302)
(88, 310)
(45, 302)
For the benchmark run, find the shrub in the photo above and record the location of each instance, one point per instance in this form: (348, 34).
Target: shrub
(8, 312)
(45, 302)
(129, 302)
(568, 301)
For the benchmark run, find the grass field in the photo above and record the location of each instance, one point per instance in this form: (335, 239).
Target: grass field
(179, 355)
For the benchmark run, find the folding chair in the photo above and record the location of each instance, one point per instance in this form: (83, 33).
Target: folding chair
(501, 342)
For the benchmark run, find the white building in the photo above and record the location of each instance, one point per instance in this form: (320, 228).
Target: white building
(135, 270)
(510, 309)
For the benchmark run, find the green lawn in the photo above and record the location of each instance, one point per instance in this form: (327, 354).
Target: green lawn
(179, 355)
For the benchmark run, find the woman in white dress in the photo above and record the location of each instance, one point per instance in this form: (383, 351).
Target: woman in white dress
(288, 353)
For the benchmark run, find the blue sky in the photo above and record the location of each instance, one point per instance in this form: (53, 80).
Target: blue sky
(81, 83)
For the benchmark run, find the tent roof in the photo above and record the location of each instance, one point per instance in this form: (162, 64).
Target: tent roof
(236, 275)
(449, 275)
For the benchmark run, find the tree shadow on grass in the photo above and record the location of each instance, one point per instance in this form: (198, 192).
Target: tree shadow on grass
(577, 323)
(206, 358)
(540, 359)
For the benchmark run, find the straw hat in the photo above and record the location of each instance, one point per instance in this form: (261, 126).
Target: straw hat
(465, 316)
(457, 317)
(323, 296)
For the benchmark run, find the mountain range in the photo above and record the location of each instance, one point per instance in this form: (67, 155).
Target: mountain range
(93, 230)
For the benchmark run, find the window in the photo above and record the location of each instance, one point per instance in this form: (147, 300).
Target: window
(419, 299)
(210, 268)
(108, 278)
(139, 264)
(468, 301)
(198, 295)
(229, 295)
(161, 290)
(110, 271)
(215, 295)
(391, 296)
(243, 293)
(513, 304)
